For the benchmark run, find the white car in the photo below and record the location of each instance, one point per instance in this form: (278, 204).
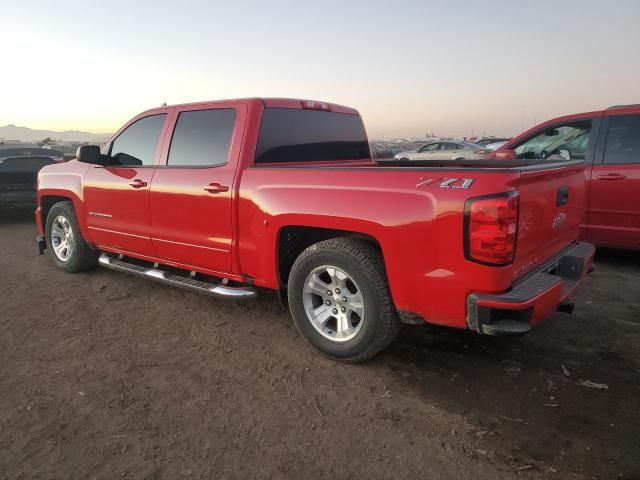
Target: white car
(444, 150)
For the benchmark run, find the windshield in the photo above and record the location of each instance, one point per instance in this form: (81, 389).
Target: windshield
(568, 142)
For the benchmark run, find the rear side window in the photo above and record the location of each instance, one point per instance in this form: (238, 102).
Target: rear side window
(623, 140)
(202, 138)
(291, 135)
(136, 146)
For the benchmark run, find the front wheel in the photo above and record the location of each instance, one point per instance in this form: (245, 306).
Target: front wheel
(69, 250)
(340, 300)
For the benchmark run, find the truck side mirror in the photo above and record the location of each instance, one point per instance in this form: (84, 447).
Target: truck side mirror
(505, 155)
(90, 154)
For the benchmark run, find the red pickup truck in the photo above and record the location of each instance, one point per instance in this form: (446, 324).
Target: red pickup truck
(608, 141)
(223, 197)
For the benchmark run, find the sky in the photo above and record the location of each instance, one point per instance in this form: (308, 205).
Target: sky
(410, 67)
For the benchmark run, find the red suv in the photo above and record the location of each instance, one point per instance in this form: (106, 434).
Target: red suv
(609, 142)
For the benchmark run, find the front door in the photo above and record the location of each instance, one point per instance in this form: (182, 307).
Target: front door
(614, 205)
(191, 194)
(117, 196)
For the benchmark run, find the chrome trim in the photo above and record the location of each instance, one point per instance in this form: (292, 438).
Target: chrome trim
(218, 290)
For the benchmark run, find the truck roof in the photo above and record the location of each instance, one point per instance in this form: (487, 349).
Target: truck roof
(616, 109)
(273, 102)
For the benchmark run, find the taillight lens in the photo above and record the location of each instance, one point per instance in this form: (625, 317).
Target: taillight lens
(491, 228)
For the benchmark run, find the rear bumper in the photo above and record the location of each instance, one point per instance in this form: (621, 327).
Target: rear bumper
(533, 299)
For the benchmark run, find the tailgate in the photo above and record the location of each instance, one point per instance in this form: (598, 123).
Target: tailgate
(551, 204)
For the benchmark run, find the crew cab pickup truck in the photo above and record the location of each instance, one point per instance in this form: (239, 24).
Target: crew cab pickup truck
(225, 197)
(608, 141)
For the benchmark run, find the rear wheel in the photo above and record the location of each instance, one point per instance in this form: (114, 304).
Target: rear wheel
(65, 242)
(340, 300)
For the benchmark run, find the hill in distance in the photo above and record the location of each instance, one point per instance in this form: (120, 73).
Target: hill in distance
(25, 134)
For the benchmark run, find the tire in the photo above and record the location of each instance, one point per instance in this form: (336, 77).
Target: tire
(378, 325)
(460, 158)
(79, 255)
(404, 159)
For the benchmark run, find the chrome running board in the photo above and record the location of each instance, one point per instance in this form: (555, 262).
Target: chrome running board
(156, 273)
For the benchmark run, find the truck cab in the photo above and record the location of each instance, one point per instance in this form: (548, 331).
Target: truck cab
(608, 141)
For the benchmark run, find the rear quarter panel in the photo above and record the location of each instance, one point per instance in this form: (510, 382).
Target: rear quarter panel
(418, 225)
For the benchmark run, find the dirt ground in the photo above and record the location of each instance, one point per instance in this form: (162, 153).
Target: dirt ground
(109, 376)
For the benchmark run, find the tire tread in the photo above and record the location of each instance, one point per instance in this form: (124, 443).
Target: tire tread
(85, 256)
(372, 265)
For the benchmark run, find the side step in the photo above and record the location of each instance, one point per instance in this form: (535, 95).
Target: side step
(217, 290)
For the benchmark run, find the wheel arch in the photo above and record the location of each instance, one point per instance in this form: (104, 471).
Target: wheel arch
(47, 199)
(292, 240)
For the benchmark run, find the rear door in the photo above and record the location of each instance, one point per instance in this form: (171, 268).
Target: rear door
(192, 192)
(117, 196)
(614, 203)
(451, 151)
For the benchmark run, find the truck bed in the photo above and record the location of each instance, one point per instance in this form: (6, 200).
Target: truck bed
(495, 165)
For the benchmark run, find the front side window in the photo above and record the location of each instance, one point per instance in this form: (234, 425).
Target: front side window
(561, 142)
(136, 146)
(293, 135)
(623, 140)
(430, 148)
(202, 138)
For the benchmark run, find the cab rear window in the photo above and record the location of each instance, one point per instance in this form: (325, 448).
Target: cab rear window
(291, 135)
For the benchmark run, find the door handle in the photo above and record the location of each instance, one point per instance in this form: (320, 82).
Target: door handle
(612, 176)
(137, 183)
(216, 188)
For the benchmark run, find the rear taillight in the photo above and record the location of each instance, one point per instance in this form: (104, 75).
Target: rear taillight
(491, 228)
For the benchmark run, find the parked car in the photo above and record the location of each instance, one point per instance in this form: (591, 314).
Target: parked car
(491, 147)
(609, 142)
(223, 197)
(485, 141)
(381, 151)
(444, 150)
(19, 166)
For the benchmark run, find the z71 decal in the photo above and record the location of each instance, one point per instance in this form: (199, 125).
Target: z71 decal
(445, 182)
